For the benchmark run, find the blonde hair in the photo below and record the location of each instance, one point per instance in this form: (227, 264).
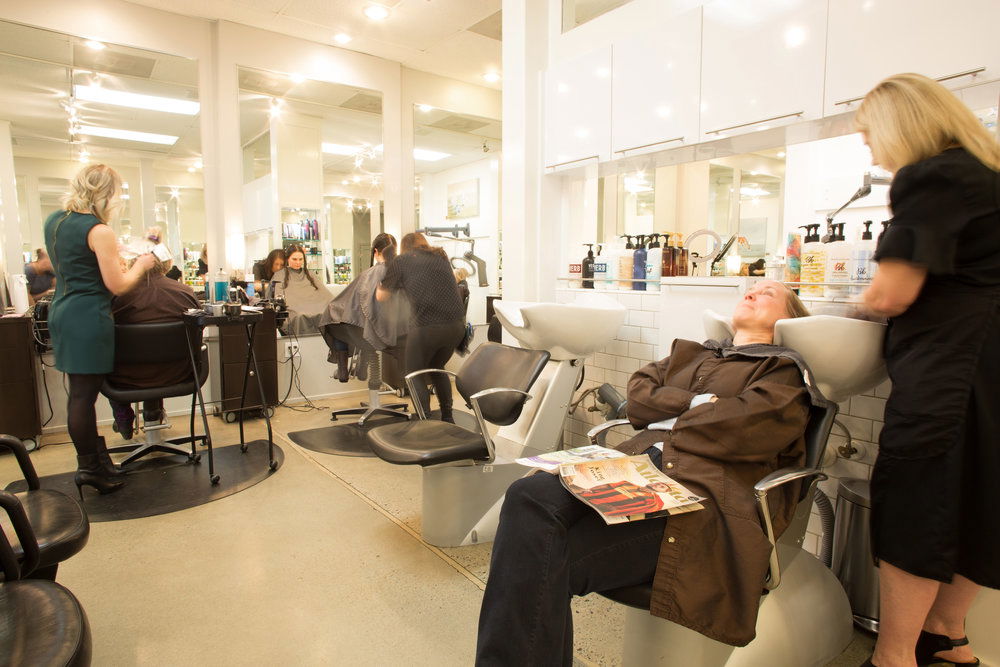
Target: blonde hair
(909, 117)
(793, 304)
(95, 189)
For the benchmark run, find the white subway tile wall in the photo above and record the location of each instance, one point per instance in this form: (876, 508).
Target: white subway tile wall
(637, 344)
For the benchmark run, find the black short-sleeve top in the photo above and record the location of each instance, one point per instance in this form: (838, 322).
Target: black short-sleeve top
(429, 284)
(946, 217)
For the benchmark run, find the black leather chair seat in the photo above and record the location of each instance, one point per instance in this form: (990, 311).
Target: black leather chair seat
(425, 442)
(134, 395)
(42, 623)
(638, 596)
(59, 522)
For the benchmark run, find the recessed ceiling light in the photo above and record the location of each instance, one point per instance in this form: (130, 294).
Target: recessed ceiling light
(344, 182)
(340, 149)
(492, 77)
(198, 164)
(429, 155)
(356, 179)
(95, 45)
(781, 153)
(342, 38)
(296, 78)
(425, 108)
(191, 170)
(134, 100)
(376, 12)
(128, 135)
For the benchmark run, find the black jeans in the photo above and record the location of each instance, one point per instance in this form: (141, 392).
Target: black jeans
(431, 346)
(549, 547)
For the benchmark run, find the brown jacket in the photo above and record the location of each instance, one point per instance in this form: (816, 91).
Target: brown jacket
(713, 563)
(155, 299)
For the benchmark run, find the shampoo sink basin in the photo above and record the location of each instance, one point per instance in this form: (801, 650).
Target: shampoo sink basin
(565, 330)
(844, 354)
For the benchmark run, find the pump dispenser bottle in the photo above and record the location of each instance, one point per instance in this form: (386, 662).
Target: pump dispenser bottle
(838, 262)
(600, 269)
(680, 255)
(862, 266)
(654, 264)
(668, 267)
(625, 263)
(588, 267)
(639, 265)
(813, 262)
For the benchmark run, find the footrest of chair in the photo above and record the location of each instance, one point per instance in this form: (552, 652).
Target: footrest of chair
(425, 442)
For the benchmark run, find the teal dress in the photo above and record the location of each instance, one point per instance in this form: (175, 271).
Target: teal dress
(80, 321)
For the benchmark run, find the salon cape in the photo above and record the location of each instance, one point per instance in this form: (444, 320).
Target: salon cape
(382, 323)
(712, 563)
(305, 302)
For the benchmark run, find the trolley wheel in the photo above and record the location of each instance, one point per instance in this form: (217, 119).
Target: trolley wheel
(273, 465)
(269, 411)
(32, 446)
(196, 458)
(214, 479)
(405, 408)
(333, 418)
(244, 448)
(229, 417)
(400, 393)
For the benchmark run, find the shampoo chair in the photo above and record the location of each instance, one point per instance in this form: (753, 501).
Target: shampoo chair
(804, 616)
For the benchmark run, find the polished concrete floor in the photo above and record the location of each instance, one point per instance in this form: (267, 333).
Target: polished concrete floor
(321, 563)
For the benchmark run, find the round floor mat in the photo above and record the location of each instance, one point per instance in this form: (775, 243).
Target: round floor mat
(159, 484)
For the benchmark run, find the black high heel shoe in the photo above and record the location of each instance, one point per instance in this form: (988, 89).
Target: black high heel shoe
(929, 643)
(91, 472)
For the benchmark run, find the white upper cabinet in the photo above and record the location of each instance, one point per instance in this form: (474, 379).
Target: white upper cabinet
(762, 64)
(872, 39)
(578, 109)
(656, 87)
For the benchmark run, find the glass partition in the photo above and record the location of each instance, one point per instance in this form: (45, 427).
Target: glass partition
(312, 171)
(73, 101)
(457, 195)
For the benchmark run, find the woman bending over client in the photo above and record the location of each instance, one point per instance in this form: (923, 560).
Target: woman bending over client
(437, 320)
(84, 255)
(935, 500)
(355, 318)
(716, 417)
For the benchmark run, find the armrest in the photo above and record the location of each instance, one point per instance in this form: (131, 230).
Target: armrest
(474, 399)
(23, 460)
(25, 535)
(769, 483)
(599, 433)
(413, 394)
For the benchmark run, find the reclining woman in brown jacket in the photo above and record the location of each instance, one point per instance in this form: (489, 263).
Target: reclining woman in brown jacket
(741, 410)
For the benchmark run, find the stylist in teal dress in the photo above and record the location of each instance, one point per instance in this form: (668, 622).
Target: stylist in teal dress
(84, 254)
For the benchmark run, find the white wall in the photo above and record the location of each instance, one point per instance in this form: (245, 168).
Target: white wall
(434, 209)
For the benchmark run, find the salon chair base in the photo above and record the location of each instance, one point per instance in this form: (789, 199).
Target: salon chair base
(155, 442)
(461, 501)
(374, 406)
(806, 621)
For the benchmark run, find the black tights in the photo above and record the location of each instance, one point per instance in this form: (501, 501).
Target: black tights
(81, 414)
(431, 346)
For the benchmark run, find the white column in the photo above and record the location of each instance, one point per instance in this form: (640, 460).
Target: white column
(11, 244)
(32, 209)
(397, 217)
(173, 232)
(147, 196)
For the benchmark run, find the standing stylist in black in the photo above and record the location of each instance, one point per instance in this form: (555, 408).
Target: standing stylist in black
(437, 322)
(935, 497)
(84, 254)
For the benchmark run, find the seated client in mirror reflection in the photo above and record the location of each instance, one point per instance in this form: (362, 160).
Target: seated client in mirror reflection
(84, 255)
(155, 298)
(354, 319)
(305, 297)
(716, 417)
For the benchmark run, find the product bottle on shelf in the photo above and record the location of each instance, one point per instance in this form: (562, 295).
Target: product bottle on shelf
(862, 265)
(680, 255)
(588, 267)
(639, 265)
(625, 263)
(812, 266)
(654, 264)
(668, 261)
(600, 269)
(838, 263)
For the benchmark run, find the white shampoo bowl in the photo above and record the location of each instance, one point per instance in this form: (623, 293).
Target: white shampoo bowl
(565, 330)
(844, 354)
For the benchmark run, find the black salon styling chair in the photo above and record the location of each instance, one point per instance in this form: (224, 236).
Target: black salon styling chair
(686, 643)
(494, 382)
(161, 343)
(58, 523)
(41, 622)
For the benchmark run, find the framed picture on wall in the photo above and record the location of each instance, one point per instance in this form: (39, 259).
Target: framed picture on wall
(463, 199)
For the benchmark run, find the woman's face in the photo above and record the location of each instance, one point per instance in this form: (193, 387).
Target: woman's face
(296, 260)
(277, 264)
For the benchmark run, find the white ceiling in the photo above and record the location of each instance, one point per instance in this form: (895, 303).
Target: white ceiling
(427, 35)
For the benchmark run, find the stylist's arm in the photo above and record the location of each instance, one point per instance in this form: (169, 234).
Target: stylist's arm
(101, 240)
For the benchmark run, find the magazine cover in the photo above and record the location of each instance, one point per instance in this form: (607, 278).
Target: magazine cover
(627, 489)
(552, 460)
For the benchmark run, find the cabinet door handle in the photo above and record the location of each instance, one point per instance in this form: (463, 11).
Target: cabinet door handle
(940, 79)
(579, 159)
(655, 143)
(756, 122)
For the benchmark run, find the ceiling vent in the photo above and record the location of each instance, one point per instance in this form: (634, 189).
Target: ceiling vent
(457, 123)
(364, 102)
(274, 85)
(112, 62)
(489, 27)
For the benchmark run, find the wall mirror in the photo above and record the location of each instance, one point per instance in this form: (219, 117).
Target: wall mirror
(312, 171)
(457, 195)
(72, 101)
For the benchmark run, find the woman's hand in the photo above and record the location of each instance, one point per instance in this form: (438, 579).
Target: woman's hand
(145, 261)
(101, 240)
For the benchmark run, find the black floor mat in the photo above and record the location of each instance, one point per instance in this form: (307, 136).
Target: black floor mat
(159, 484)
(349, 439)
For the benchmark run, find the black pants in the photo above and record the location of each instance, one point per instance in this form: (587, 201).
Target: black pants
(431, 347)
(549, 547)
(81, 413)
